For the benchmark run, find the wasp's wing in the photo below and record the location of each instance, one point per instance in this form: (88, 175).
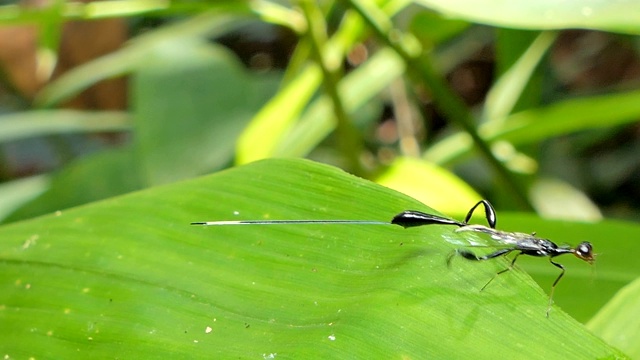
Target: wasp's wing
(505, 238)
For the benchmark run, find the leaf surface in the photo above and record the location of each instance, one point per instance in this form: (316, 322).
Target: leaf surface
(129, 277)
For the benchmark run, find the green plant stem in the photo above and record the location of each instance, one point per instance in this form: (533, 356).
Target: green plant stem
(446, 100)
(349, 141)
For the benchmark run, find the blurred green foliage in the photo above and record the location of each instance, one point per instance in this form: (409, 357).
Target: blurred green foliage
(540, 128)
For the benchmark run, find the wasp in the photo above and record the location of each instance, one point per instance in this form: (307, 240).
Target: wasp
(521, 243)
(508, 242)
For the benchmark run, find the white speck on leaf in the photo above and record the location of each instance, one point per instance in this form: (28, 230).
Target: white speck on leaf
(30, 241)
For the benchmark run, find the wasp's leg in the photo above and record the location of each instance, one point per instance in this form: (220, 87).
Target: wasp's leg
(471, 256)
(502, 271)
(553, 287)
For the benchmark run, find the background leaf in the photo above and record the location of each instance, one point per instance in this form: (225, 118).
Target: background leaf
(111, 172)
(618, 321)
(129, 277)
(536, 124)
(428, 183)
(136, 54)
(181, 134)
(612, 15)
(38, 123)
(16, 193)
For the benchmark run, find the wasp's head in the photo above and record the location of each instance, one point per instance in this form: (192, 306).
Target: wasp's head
(584, 251)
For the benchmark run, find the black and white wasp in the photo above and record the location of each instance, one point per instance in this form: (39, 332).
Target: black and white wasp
(521, 243)
(507, 242)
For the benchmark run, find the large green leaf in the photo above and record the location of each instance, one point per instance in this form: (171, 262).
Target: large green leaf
(129, 277)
